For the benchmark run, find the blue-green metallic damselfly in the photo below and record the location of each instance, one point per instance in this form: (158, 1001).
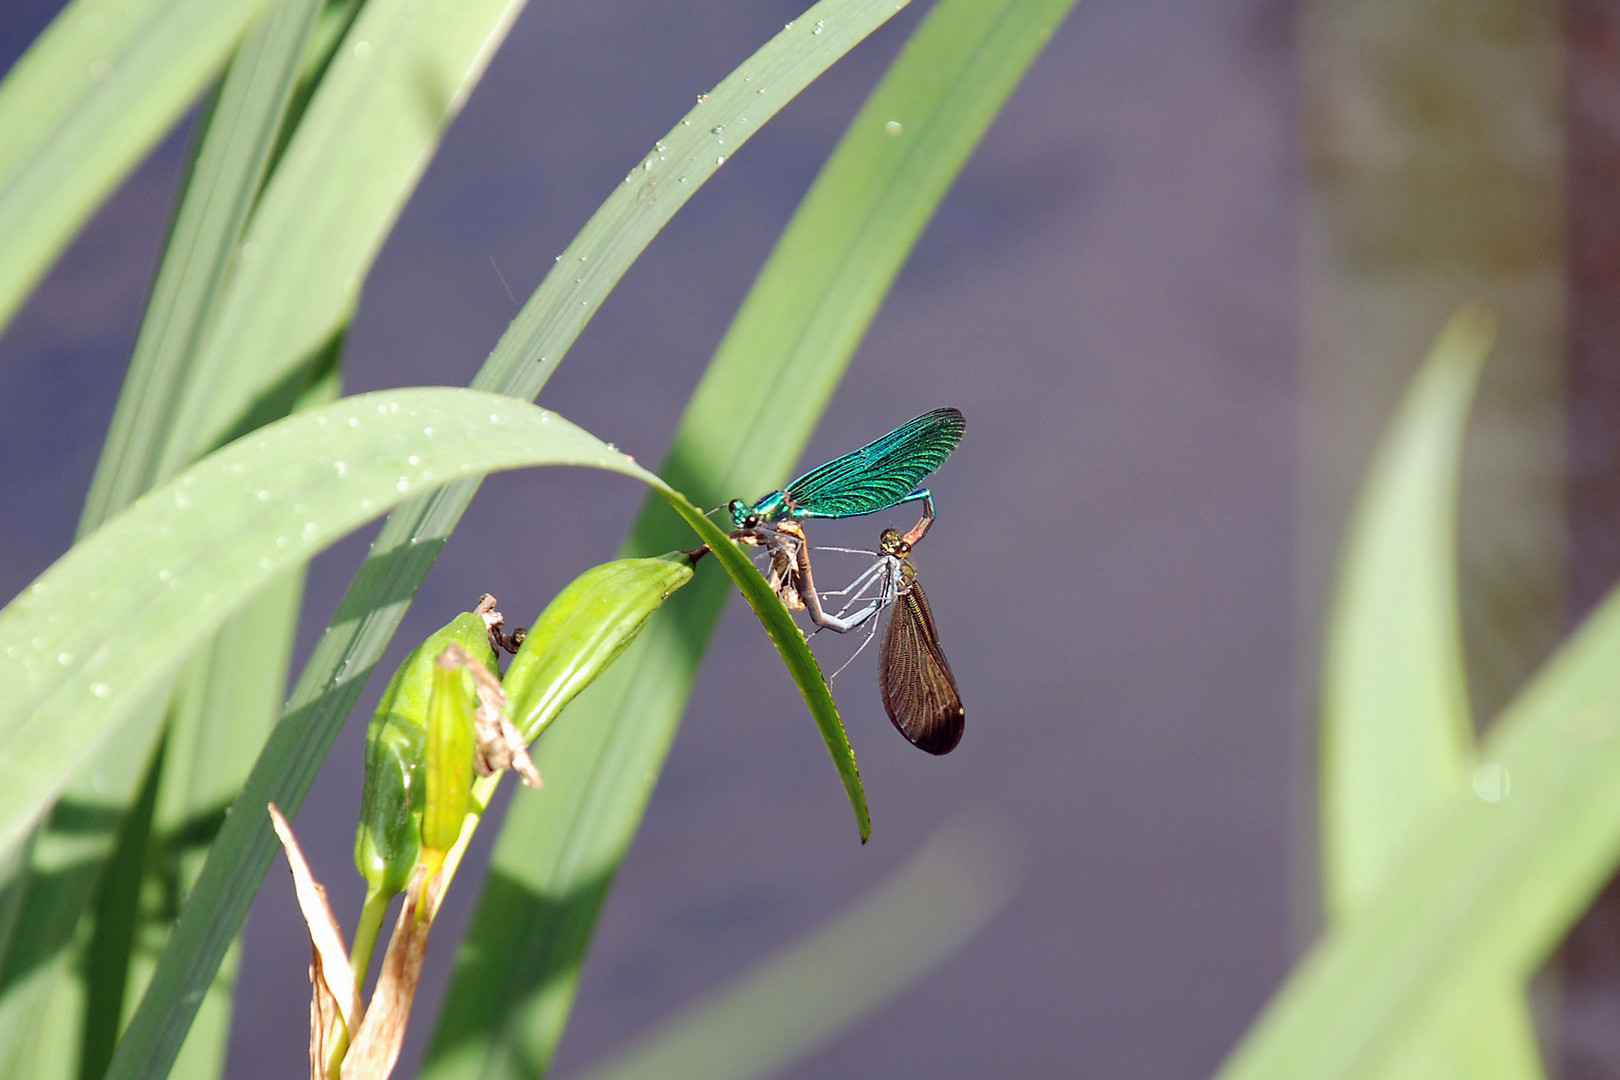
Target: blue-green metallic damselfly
(883, 473)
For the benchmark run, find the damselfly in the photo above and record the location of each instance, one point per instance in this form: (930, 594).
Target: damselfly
(881, 474)
(914, 678)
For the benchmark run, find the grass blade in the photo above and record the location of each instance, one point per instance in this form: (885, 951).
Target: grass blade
(224, 177)
(112, 618)
(85, 104)
(400, 77)
(1484, 894)
(410, 541)
(837, 976)
(224, 180)
(1397, 739)
(747, 423)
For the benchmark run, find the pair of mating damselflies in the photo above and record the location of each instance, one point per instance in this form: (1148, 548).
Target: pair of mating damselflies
(919, 693)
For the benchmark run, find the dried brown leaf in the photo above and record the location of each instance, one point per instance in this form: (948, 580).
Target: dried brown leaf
(334, 994)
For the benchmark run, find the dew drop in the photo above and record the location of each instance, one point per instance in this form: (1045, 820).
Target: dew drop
(282, 541)
(362, 49)
(100, 689)
(893, 127)
(309, 530)
(64, 658)
(1491, 782)
(354, 421)
(402, 484)
(702, 98)
(494, 417)
(721, 160)
(414, 460)
(821, 24)
(718, 129)
(428, 431)
(262, 495)
(265, 564)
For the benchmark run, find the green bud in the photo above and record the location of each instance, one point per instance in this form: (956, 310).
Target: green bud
(448, 760)
(583, 630)
(388, 840)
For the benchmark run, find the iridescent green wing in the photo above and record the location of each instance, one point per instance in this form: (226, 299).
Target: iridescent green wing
(882, 472)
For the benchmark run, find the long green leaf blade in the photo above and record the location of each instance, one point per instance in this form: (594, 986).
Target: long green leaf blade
(1483, 895)
(400, 77)
(748, 421)
(85, 104)
(224, 177)
(410, 541)
(1397, 739)
(224, 181)
(112, 618)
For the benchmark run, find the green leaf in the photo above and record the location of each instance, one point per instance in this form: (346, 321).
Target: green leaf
(111, 619)
(1397, 739)
(85, 104)
(840, 974)
(1484, 893)
(400, 77)
(747, 424)
(222, 185)
(582, 631)
(230, 157)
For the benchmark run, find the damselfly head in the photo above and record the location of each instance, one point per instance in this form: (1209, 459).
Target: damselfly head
(890, 542)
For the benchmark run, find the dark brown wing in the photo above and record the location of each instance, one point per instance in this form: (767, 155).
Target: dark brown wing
(919, 692)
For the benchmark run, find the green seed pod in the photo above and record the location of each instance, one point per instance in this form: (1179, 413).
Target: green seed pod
(583, 630)
(448, 757)
(391, 802)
